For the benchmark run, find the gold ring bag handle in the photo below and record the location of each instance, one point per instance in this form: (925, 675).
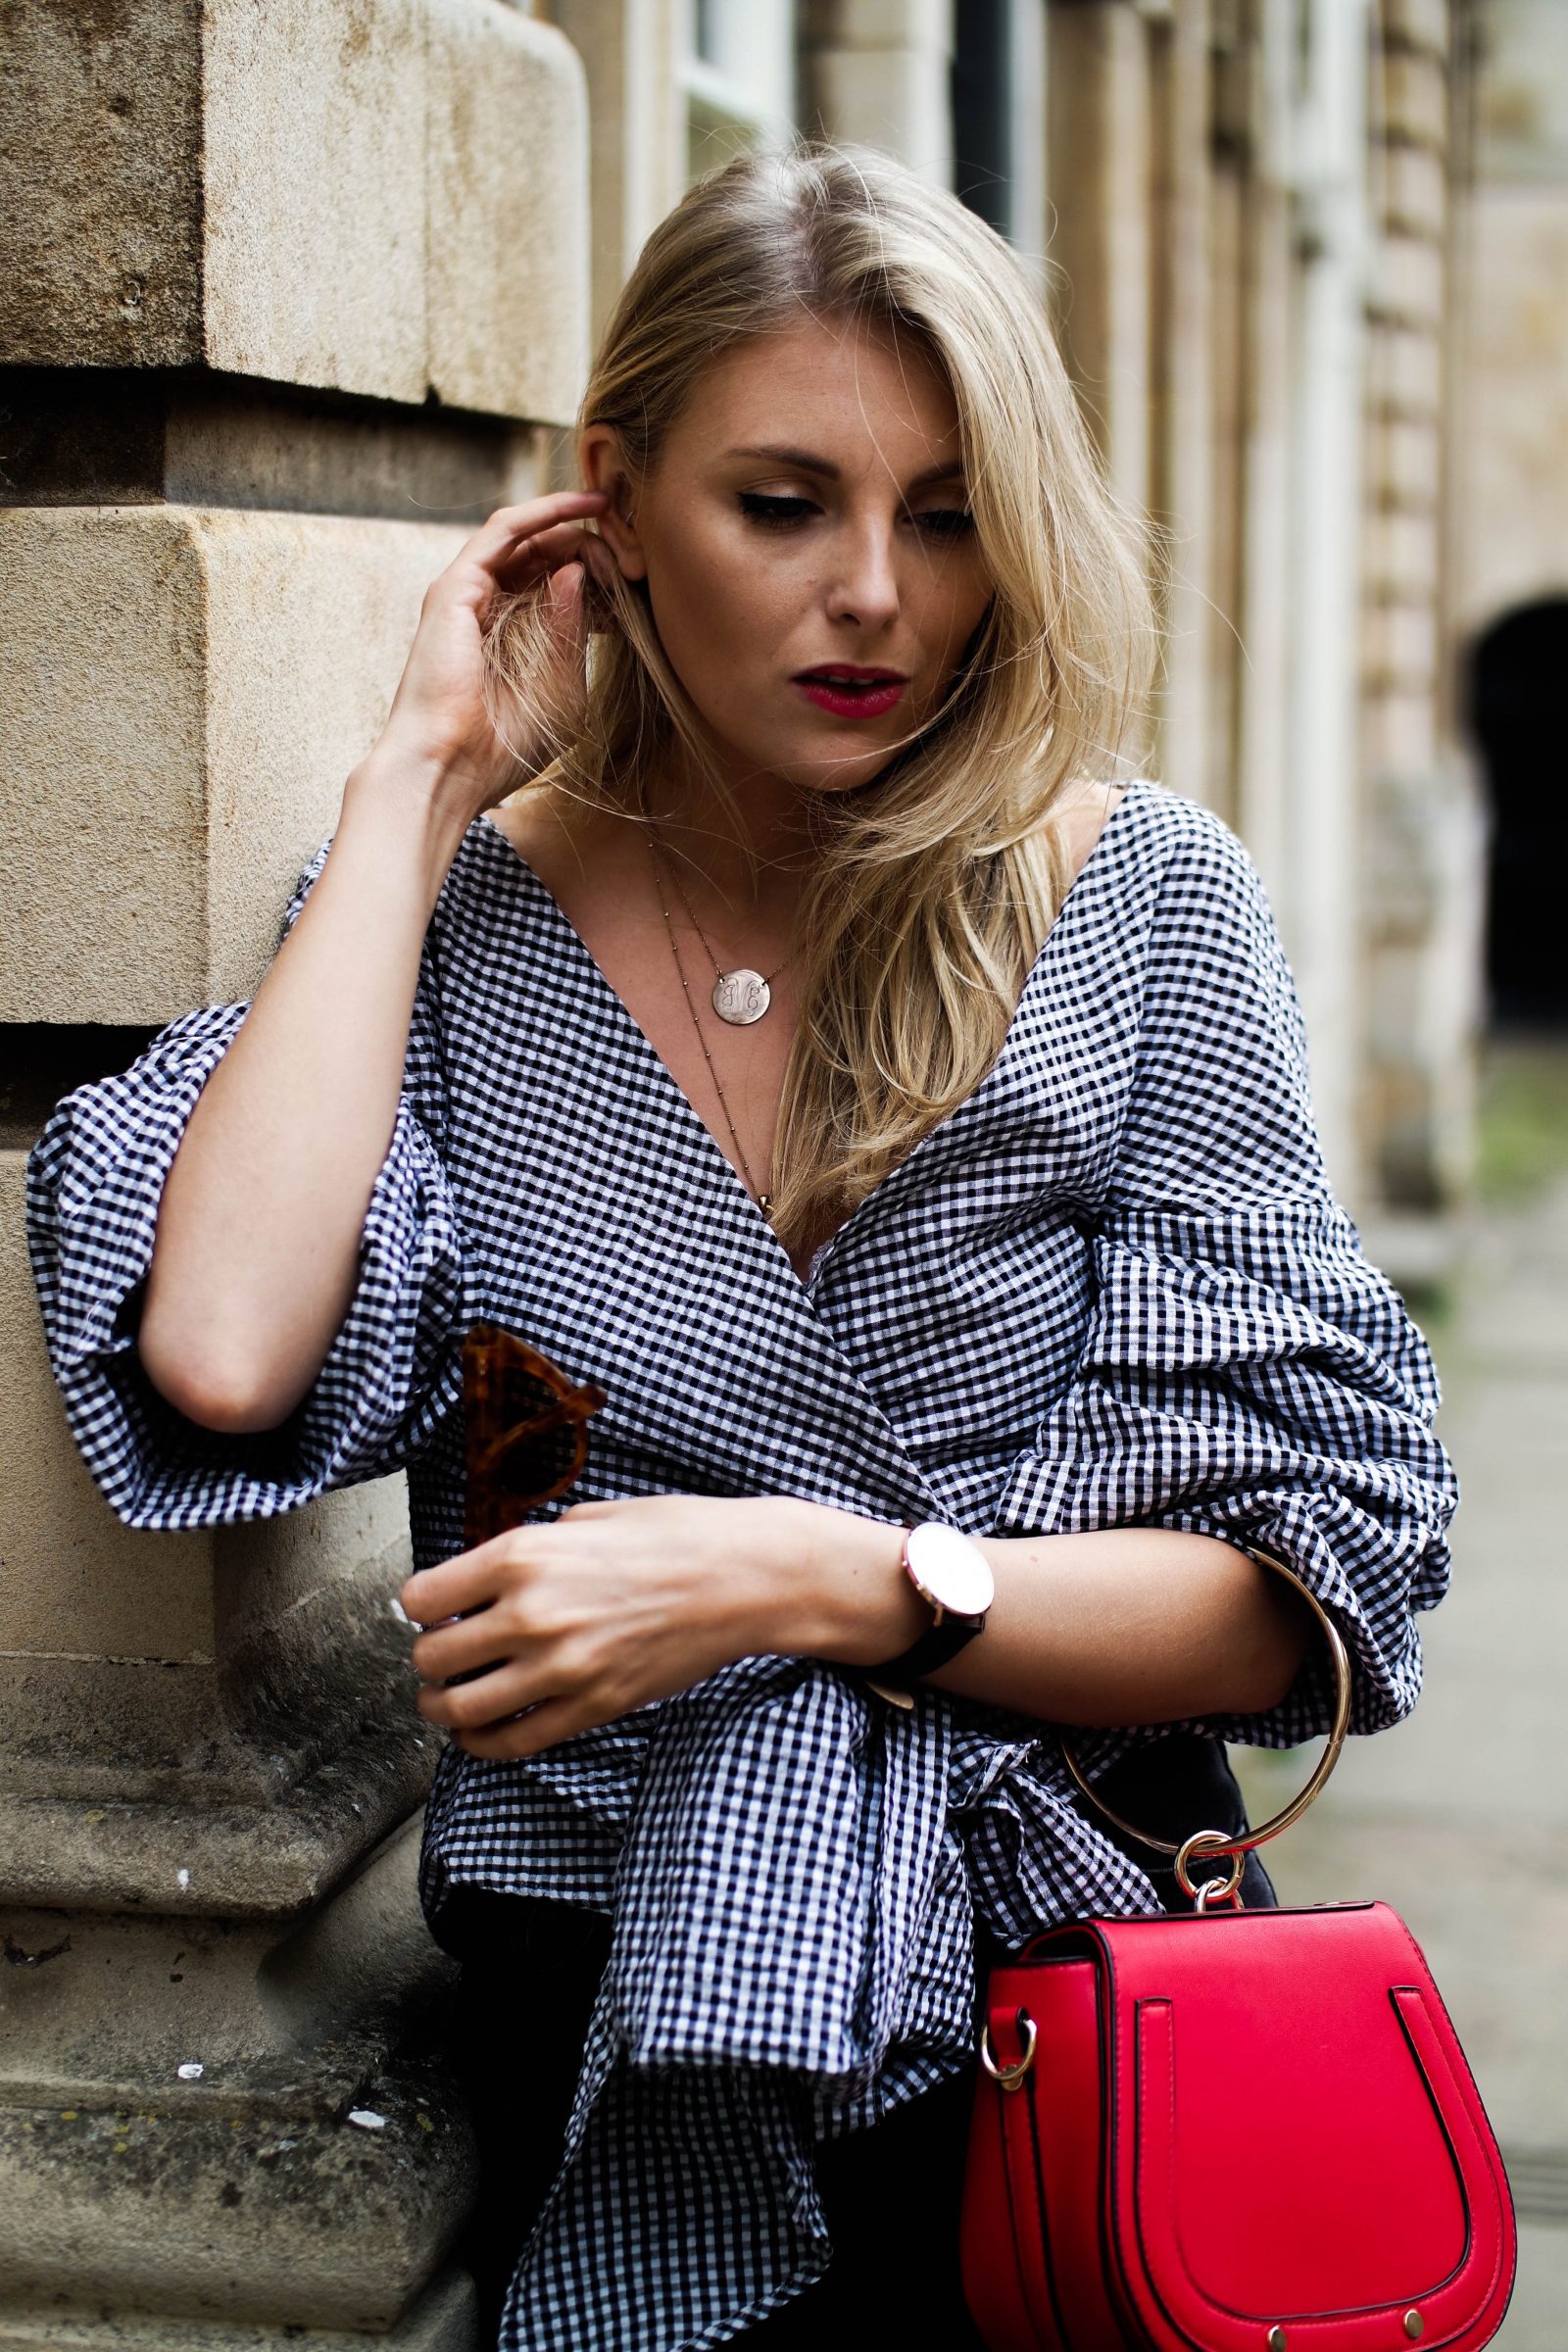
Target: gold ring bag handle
(1218, 1845)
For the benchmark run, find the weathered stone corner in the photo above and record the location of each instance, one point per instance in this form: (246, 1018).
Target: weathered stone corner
(387, 199)
(224, 2129)
(290, 297)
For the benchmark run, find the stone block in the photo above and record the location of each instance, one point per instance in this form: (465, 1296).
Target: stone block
(1413, 190)
(268, 1570)
(1415, 25)
(100, 185)
(73, 438)
(1408, 281)
(894, 25)
(240, 2191)
(241, 1726)
(1399, 644)
(212, 1848)
(636, 128)
(1097, 133)
(1514, 545)
(313, 118)
(1405, 465)
(1415, 97)
(245, 449)
(386, 199)
(507, 194)
(1400, 555)
(186, 692)
(891, 98)
(1398, 730)
(1405, 371)
(115, 2005)
(445, 2318)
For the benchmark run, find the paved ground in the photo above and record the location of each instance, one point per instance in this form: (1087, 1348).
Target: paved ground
(1459, 1816)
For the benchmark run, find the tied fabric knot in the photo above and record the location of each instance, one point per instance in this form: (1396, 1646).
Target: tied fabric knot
(767, 1917)
(791, 1958)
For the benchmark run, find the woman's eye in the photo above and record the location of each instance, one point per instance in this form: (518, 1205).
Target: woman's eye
(777, 514)
(784, 513)
(946, 522)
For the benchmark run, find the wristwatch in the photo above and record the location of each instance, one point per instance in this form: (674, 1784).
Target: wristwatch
(947, 1569)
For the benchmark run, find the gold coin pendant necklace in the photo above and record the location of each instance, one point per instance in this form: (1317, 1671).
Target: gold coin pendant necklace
(740, 998)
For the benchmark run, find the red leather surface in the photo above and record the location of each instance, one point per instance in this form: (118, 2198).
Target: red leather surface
(989, 2238)
(1234, 2122)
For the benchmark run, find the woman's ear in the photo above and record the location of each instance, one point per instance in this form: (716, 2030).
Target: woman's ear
(604, 467)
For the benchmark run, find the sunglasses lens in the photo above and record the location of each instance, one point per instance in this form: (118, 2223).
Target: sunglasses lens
(537, 1460)
(524, 1396)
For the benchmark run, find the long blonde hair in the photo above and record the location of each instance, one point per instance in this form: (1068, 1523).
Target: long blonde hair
(936, 882)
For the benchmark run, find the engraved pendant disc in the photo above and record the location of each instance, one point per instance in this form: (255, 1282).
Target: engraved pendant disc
(741, 996)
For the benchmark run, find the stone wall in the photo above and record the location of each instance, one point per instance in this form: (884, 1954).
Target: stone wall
(1252, 219)
(288, 295)
(1512, 520)
(1421, 831)
(1208, 192)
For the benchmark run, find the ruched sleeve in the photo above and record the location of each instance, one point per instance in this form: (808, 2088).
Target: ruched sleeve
(94, 1182)
(1245, 1372)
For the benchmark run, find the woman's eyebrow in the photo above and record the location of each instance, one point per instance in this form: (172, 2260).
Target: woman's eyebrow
(805, 463)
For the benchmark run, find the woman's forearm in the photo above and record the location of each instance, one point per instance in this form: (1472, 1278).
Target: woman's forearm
(258, 1228)
(1126, 1625)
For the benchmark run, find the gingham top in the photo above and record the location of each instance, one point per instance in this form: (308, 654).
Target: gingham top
(1111, 1287)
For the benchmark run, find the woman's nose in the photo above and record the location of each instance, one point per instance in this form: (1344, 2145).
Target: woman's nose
(865, 588)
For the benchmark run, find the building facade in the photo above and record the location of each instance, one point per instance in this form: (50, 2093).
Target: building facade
(293, 296)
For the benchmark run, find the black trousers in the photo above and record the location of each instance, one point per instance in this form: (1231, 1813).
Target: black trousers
(531, 1971)
(892, 2195)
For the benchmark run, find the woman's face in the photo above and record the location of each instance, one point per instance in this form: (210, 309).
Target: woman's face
(807, 515)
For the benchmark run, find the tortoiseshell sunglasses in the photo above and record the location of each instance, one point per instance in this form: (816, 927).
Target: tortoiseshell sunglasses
(524, 1426)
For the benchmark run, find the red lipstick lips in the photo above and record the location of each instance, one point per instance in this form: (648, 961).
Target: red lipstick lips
(850, 690)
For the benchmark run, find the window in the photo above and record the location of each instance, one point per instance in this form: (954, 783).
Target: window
(738, 78)
(998, 114)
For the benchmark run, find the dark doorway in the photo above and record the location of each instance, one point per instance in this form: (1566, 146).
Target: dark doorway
(1518, 684)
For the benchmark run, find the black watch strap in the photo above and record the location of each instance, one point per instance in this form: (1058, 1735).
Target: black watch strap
(936, 1646)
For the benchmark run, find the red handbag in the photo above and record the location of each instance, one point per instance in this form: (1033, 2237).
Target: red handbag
(1231, 2130)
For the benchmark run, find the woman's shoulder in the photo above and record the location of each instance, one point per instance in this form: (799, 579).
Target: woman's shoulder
(1167, 851)
(1158, 821)
(1170, 915)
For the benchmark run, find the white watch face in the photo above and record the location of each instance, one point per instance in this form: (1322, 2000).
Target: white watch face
(951, 1569)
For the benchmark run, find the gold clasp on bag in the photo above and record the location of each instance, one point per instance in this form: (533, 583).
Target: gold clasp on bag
(1009, 2078)
(1207, 1893)
(1218, 1845)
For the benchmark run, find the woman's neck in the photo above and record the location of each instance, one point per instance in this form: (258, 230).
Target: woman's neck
(748, 859)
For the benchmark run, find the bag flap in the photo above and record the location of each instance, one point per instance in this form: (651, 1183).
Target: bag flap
(1293, 2139)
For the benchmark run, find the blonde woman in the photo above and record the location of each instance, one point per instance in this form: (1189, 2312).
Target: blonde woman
(741, 970)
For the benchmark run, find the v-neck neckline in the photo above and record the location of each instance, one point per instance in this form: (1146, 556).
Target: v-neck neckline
(568, 930)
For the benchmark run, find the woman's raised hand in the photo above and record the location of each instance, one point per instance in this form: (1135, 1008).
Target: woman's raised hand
(440, 725)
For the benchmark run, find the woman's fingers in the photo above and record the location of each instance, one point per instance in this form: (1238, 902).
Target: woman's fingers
(503, 1691)
(546, 551)
(501, 533)
(528, 515)
(465, 1582)
(529, 1734)
(477, 1639)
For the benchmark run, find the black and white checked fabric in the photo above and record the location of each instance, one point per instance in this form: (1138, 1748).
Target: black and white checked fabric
(1111, 1288)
